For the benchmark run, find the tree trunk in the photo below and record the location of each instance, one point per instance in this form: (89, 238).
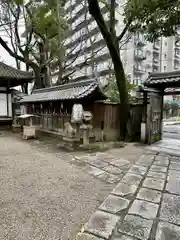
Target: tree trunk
(124, 106)
(45, 78)
(38, 82)
(59, 81)
(24, 88)
(112, 44)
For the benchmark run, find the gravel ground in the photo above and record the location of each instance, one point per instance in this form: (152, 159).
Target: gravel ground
(43, 196)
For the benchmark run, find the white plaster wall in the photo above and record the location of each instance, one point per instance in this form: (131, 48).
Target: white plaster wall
(9, 105)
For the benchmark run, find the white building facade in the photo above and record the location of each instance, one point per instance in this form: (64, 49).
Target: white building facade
(88, 54)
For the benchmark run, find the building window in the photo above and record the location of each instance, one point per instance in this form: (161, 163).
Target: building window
(165, 55)
(164, 68)
(177, 52)
(165, 43)
(148, 66)
(155, 69)
(148, 53)
(176, 65)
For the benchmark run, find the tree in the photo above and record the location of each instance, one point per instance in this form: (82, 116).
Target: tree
(112, 90)
(175, 107)
(112, 41)
(35, 47)
(166, 109)
(155, 18)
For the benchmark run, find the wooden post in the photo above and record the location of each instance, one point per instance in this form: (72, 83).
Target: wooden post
(161, 117)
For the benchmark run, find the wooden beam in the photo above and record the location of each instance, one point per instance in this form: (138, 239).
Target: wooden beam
(172, 93)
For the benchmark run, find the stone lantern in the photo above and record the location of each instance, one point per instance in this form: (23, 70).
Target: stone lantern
(86, 127)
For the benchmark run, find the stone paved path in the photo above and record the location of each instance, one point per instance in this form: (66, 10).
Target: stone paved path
(145, 205)
(103, 166)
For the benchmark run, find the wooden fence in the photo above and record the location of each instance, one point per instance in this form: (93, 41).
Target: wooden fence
(106, 117)
(52, 122)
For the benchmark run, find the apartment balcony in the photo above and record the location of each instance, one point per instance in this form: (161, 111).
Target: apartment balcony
(156, 61)
(155, 69)
(176, 67)
(139, 55)
(177, 53)
(139, 69)
(157, 45)
(140, 41)
(137, 81)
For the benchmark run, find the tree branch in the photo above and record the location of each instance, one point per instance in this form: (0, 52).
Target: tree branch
(112, 17)
(11, 53)
(124, 30)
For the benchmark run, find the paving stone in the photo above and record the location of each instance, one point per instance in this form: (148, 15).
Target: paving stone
(145, 160)
(154, 183)
(173, 185)
(136, 226)
(125, 168)
(156, 175)
(167, 231)
(141, 170)
(170, 209)
(173, 173)
(161, 158)
(78, 163)
(175, 160)
(114, 204)
(101, 224)
(86, 236)
(147, 157)
(97, 162)
(93, 170)
(112, 169)
(122, 237)
(131, 178)
(175, 166)
(156, 168)
(144, 163)
(105, 157)
(149, 195)
(164, 154)
(123, 189)
(161, 162)
(108, 177)
(120, 162)
(144, 209)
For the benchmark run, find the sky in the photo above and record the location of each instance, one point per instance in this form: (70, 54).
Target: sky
(4, 55)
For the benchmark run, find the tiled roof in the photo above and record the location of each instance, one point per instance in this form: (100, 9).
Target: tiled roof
(165, 79)
(13, 73)
(70, 91)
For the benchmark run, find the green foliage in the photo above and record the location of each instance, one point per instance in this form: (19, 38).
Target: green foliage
(112, 89)
(166, 106)
(42, 42)
(174, 106)
(45, 19)
(154, 17)
(18, 1)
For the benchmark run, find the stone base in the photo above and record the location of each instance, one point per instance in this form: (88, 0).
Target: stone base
(29, 132)
(16, 128)
(71, 143)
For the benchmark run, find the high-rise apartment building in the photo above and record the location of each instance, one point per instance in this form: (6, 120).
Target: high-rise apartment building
(88, 54)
